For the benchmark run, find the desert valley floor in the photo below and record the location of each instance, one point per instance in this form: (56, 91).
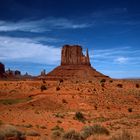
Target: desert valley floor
(46, 110)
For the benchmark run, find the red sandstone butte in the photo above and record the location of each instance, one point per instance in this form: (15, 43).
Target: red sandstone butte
(74, 65)
(73, 55)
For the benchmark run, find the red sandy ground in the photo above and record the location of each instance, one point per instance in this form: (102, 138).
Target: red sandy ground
(105, 104)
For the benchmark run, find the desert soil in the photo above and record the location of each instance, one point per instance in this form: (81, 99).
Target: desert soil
(114, 104)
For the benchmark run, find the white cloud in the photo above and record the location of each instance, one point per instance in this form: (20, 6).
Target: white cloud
(121, 60)
(30, 26)
(47, 39)
(117, 62)
(115, 52)
(118, 55)
(41, 25)
(27, 50)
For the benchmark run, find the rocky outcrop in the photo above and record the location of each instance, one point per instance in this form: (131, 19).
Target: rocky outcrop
(73, 55)
(2, 69)
(74, 65)
(17, 73)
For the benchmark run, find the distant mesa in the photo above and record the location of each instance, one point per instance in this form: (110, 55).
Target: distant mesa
(2, 70)
(12, 74)
(43, 72)
(74, 65)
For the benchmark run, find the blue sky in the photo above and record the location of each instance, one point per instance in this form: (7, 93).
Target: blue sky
(32, 33)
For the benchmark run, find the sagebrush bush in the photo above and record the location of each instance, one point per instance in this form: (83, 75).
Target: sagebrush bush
(124, 135)
(57, 128)
(57, 88)
(79, 116)
(119, 85)
(61, 80)
(59, 115)
(103, 80)
(98, 129)
(56, 134)
(137, 85)
(72, 135)
(10, 131)
(86, 132)
(32, 133)
(43, 87)
(130, 110)
(102, 84)
(64, 101)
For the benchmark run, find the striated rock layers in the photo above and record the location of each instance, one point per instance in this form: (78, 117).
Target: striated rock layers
(73, 55)
(74, 65)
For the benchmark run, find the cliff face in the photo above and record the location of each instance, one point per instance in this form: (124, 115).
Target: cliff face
(72, 55)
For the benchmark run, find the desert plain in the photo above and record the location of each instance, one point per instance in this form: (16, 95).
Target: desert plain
(39, 108)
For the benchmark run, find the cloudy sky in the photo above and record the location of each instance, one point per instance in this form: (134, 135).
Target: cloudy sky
(32, 33)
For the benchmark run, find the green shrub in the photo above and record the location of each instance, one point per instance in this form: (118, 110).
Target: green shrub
(72, 135)
(95, 107)
(137, 85)
(103, 81)
(43, 127)
(43, 80)
(130, 110)
(57, 128)
(57, 88)
(64, 101)
(79, 116)
(86, 132)
(28, 125)
(59, 115)
(124, 135)
(14, 101)
(32, 133)
(61, 80)
(98, 129)
(43, 87)
(56, 134)
(102, 84)
(10, 131)
(119, 85)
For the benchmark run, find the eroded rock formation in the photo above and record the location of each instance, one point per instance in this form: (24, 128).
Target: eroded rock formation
(73, 55)
(2, 69)
(74, 65)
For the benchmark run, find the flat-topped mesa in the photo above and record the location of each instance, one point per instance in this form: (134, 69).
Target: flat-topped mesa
(73, 55)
